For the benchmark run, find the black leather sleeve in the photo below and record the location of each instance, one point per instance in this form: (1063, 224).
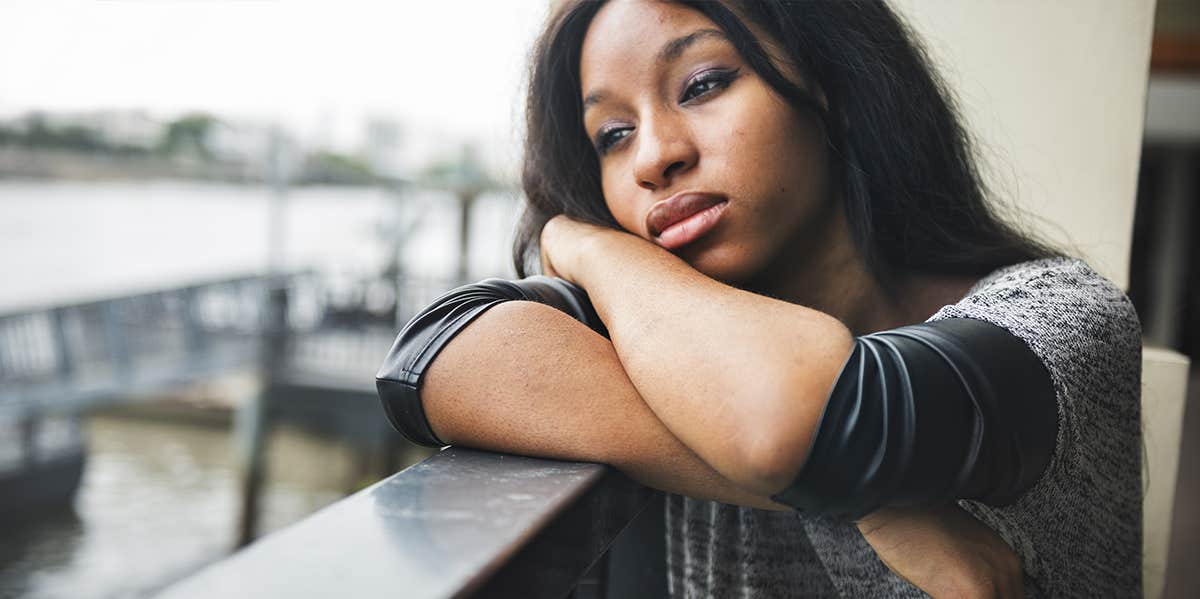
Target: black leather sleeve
(945, 410)
(924, 414)
(399, 379)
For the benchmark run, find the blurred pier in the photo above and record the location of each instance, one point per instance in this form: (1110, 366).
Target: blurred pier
(88, 355)
(460, 523)
(311, 343)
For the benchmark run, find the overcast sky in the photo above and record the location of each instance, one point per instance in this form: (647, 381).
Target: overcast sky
(454, 66)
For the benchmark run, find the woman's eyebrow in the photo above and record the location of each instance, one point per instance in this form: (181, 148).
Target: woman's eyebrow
(670, 51)
(674, 48)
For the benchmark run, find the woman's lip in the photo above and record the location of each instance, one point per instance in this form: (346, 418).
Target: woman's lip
(677, 208)
(691, 228)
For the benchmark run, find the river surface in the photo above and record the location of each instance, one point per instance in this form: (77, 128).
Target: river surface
(158, 498)
(70, 241)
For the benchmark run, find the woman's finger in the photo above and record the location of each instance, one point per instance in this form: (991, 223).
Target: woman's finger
(547, 267)
(556, 233)
(544, 248)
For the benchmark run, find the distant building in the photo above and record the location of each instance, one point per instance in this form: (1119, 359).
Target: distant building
(244, 144)
(384, 151)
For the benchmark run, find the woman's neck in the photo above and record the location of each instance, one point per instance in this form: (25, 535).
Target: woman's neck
(828, 273)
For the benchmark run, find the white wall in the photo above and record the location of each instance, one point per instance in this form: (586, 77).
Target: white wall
(1055, 93)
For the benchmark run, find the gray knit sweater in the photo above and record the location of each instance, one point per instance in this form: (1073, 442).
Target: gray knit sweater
(1078, 531)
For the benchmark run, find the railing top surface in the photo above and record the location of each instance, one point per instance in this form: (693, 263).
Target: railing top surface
(437, 529)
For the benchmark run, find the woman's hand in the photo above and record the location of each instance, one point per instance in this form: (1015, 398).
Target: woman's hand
(741, 379)
(567, 243)
(944, 551)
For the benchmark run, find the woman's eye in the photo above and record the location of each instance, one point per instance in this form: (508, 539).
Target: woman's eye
(707, 82)
(608, 137)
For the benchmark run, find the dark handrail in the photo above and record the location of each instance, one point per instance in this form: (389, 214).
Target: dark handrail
(461, 523)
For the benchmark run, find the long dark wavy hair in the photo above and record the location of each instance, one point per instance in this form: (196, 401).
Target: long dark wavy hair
(903, 162)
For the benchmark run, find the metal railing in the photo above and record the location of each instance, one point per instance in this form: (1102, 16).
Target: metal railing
(462, 523)
(65, 358)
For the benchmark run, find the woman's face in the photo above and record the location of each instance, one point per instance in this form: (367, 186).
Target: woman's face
(697, 153)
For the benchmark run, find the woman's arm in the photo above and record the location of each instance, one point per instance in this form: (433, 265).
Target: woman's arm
(526, 378)
(577, 403)
(739, 378)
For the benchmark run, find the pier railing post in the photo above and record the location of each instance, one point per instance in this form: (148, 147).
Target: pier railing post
(251, 420)
(249, 432)
(28, 425)
(62, 348)
(118, 341)
(194, 340)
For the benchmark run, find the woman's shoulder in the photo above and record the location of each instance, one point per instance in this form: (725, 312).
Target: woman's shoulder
(1081, 325)
(1051, 298)
(1048, 278)
(1085, 331)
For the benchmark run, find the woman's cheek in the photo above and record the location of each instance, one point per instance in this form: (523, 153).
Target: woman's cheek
(624, 212)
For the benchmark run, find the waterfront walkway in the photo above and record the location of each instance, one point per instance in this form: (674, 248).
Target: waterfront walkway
(305, 329)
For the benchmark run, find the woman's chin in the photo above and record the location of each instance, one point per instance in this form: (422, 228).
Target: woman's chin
(725, 266)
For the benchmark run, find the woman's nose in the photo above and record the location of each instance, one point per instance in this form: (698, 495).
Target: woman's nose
(665, 150)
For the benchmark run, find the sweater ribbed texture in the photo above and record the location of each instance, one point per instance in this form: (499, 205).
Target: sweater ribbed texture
(1078, 531)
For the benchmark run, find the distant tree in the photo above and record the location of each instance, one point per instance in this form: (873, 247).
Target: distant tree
(78, 137)
(337, 169)
(188, 135)
(40, 134)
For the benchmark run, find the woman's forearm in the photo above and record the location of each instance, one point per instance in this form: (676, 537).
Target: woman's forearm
(526, 378)
(740, 378)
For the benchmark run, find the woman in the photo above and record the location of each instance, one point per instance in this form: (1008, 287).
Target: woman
(803, 303)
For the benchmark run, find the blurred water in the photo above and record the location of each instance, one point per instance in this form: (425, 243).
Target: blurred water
(158, 500)
(69, 241)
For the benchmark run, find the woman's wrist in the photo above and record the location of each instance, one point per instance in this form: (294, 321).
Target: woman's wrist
(607, 262)
(615, 268)
(571, 246)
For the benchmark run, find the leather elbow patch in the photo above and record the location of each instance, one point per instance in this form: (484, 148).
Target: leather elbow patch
(930, 413)
(398, 381)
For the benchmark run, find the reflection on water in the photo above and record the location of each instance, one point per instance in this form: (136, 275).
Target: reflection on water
(158, 500)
